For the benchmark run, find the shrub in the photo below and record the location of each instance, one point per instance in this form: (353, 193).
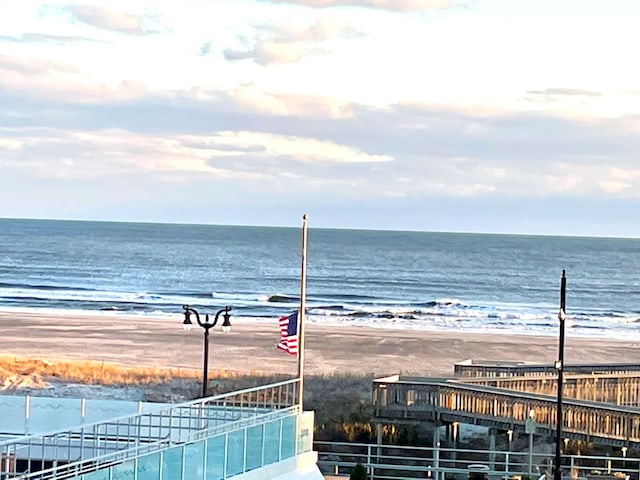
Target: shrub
(358, 472)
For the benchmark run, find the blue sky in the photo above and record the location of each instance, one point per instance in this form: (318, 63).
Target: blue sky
(461, 115)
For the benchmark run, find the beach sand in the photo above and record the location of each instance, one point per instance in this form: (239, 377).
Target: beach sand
(250, 347)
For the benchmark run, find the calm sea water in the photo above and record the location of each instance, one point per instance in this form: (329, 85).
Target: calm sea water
(409, 280)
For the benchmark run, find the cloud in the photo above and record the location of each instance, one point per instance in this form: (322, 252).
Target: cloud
(43, 79)
(405, 150)
(286, 43)
(562, 96)
(25, 67)
(114, 20)
(390, 5)
(42, 38)
(102, 154)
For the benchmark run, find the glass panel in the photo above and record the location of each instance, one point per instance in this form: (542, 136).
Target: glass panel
(124, 471)
(215, 457)
(254, 447)
(288, 437)
(272, 442)
(194, 461)
(98, 475)
(172, 464)
(235, 453)
(149, 467)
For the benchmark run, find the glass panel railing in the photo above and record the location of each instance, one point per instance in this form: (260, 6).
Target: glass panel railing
(215, 457)
(255, 443)
(194, 461)
(149, 467)
(124, 471)
(235, 452)
(272, 442)
(98, 475)
(288, 444)
(172, 464)
(247, 447)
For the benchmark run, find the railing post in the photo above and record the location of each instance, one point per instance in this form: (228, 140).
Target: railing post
(436, 452)
(492, 448)
(530, 454)
(379, 443)
(572, 466)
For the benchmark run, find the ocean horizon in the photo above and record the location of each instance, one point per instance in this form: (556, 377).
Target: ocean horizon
(467, 282)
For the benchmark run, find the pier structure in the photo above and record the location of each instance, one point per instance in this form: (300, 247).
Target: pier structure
(602, 401)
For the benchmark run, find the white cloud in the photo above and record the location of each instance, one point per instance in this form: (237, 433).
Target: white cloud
(391, 5)
(380, 99)
(114, 20)
(286, 43)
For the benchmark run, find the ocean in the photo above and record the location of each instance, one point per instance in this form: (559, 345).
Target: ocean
(384, 279)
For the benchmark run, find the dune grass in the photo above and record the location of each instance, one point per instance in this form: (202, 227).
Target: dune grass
(342, 402)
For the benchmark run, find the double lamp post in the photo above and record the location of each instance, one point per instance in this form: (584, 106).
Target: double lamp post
(559, 365)
(206, 325)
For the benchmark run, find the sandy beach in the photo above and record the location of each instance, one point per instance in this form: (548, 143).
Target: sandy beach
(250, 347)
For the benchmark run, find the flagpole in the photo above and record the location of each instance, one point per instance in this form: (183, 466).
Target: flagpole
(301, 313)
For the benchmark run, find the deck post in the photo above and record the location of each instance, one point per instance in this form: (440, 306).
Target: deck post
(492, 448)
(436, 451)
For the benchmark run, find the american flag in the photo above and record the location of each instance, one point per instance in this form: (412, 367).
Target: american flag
(289, 334)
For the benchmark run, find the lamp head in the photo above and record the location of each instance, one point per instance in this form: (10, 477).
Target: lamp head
(226, 324)
(187, 324)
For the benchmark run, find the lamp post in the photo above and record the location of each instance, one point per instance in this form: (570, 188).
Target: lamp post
(226, 326)
(530, 428)
(559, 365)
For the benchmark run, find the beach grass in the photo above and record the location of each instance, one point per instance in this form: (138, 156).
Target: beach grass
(106, 373)
(341, 401)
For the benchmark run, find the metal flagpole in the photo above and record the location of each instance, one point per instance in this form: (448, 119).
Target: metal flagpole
(301, 313)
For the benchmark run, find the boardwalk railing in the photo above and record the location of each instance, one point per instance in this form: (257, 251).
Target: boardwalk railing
(413, 399)
(614, 388)
(486, 368)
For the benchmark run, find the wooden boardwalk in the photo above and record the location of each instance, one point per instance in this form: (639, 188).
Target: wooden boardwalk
(600, 405)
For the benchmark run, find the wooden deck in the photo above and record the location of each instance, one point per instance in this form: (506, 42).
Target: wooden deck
(601, 403)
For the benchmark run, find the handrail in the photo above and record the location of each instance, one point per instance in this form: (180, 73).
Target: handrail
(453, 400)
(221, 399)
(127, 436)
(486, 368)
(403, 462)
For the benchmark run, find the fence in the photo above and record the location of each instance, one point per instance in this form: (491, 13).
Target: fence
(387, 462)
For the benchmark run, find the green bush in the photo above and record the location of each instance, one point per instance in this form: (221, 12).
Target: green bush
(358, 472)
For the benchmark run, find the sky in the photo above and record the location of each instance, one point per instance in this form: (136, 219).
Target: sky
(497, 116)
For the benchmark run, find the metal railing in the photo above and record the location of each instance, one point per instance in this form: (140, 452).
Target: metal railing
(85, 448)
(407, 462)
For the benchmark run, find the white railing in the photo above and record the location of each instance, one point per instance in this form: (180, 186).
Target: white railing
(399, 462)
(67, 453)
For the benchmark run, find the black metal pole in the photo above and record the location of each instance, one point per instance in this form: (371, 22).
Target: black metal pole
(206, 325)
(205, 369)
(557, 472)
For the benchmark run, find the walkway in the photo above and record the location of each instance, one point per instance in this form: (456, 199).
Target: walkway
(600, 403)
